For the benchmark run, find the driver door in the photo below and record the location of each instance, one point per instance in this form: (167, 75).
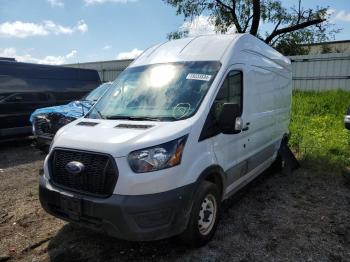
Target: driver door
(231, 149)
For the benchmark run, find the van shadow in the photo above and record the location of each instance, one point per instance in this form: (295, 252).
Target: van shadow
(19, 151)
(73, 243)
(250, 189)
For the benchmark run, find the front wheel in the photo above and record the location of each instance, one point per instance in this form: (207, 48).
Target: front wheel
(204, 215)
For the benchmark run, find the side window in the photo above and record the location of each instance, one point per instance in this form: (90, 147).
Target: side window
(230, 91)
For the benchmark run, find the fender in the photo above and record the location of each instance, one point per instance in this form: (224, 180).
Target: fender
(213, 170)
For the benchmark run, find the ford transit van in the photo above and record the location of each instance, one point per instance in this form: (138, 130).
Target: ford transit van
(184, 127)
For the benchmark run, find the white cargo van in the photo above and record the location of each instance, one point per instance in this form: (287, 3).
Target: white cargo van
(185, 126)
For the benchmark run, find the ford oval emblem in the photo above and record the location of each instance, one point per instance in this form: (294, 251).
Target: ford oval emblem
(74, 167)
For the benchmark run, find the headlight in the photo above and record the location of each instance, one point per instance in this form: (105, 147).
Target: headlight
(158, 157)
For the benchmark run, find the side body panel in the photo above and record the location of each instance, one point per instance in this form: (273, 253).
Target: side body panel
(231, 149)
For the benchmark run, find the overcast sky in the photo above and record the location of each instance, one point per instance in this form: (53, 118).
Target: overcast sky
(70, 31)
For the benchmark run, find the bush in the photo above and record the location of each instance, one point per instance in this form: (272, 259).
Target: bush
(317, 127)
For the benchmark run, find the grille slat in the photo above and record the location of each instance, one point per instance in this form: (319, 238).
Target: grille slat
(99, 176)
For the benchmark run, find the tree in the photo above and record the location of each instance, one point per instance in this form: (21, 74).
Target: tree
(326, 49)
(290, 26)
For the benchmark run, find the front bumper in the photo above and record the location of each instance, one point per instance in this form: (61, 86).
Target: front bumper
(136, 218)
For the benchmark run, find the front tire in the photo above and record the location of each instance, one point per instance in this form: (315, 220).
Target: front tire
(204, 215)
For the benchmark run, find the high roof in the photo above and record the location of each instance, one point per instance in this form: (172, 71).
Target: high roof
(200, 48)
(221, 48)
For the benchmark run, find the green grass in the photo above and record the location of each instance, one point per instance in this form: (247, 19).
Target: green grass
(317, 127)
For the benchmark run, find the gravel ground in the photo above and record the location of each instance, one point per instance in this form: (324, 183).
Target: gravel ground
(304, 216)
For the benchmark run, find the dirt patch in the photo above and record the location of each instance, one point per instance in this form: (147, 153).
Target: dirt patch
(302, 216)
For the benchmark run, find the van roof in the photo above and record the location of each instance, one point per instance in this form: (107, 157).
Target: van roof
(207, 48)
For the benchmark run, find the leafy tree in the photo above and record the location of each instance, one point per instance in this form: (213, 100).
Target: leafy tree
(290, 26)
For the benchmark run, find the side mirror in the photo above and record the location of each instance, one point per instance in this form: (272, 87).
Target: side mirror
(229, 120)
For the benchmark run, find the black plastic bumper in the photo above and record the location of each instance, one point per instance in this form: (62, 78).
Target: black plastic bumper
(137, 218)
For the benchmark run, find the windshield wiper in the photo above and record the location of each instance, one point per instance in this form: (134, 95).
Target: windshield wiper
(134, 118)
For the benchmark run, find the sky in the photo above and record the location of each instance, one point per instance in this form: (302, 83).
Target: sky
(75, 31)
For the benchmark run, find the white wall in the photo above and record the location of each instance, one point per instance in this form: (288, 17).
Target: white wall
(321, 72)
(108, 70)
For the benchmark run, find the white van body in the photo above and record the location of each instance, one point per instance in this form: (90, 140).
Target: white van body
(229, 160)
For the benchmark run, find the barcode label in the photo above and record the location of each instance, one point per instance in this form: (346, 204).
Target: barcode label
(201, 77)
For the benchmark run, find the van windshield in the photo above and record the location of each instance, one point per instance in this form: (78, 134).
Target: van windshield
(169, 91)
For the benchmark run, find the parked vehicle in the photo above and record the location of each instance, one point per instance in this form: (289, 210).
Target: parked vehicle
(25, 87)
(185, 126)
(347, 119)
(46, 121)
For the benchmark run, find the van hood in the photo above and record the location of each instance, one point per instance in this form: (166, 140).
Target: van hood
(118, 137)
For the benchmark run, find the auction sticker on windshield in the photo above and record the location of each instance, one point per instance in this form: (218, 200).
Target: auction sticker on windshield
(202, 77)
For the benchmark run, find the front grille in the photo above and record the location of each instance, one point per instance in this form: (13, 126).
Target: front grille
(98, 177)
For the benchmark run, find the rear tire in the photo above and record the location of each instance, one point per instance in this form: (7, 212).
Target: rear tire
(277, 165)
(204, 215)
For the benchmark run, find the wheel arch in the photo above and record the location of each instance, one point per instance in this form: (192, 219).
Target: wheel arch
(216, 175)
